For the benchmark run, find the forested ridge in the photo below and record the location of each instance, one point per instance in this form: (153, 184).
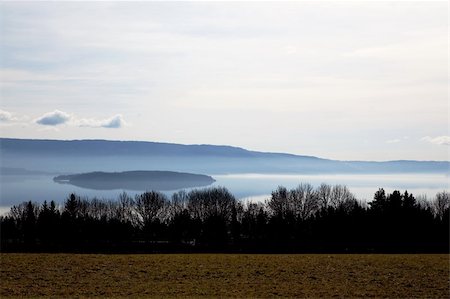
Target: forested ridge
(304, 219)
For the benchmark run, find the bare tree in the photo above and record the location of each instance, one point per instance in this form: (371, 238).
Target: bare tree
(441, 204)
(303, 201)
(125, 209)
(324, 195)
(278, 204)
(24, 213)
(151, 206)
(341, 197)
(423, 202)
(18, 213)
(179, 203)
(217, 202)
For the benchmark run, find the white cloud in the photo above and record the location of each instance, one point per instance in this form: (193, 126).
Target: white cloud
(114, 122)
(10, 118)
(440, 140)
(53, 118)
(58, 117)
(6, 116)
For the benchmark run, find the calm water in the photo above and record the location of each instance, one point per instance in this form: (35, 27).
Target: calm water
(16, 189)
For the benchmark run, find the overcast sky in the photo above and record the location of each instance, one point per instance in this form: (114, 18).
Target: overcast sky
(341, 80)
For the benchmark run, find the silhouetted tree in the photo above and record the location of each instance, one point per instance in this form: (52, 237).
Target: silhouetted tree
(151, 207)
(71, 206)
(441, 204)
(213, 208)
(324, 195)
(29, 225)
(379, 201)
(326, 218)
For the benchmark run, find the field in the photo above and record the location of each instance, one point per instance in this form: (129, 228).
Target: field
(224, 275)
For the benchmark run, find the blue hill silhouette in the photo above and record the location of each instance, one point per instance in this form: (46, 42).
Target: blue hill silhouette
(69, 156)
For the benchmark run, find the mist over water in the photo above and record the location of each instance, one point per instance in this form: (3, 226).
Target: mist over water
(259, 186)
(255, 187)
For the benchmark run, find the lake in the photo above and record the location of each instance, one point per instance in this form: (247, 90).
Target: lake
(18, 188)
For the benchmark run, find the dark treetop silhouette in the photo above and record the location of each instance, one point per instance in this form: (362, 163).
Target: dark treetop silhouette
(304, 219)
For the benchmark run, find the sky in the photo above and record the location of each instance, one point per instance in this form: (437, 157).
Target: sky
(341, 80)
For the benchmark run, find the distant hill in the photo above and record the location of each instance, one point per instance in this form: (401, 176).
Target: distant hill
(22, 172)
(92, 155)
(136, 180)
(120, 148)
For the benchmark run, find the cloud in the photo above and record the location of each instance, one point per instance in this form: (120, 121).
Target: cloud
(12, 118)
(114, 122)
(58, 117)
(54, 118)
(440, 140)
(6, 116)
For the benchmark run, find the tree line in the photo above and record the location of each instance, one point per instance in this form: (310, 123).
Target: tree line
(303, 219)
